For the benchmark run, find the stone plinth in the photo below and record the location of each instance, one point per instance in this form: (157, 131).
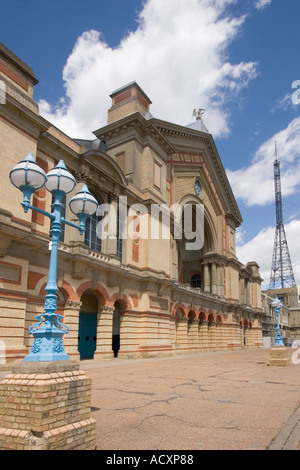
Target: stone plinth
(279, 356)
(46, 406)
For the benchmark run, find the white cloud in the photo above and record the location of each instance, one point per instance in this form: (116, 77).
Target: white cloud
(177, 55)
(255, 184)
(260, 4)
(260, 249)
(284, 104)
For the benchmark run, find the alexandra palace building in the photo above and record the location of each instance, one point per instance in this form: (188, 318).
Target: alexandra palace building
(123, 296)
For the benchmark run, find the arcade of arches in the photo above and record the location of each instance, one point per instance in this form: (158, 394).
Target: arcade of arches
(103, 327)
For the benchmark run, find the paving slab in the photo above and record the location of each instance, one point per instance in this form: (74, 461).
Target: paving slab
(205, 401)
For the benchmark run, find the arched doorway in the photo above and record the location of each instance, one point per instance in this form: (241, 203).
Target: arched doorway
(116, 328)
(87, 331)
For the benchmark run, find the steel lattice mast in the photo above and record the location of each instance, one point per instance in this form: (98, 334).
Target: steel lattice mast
(282, 275)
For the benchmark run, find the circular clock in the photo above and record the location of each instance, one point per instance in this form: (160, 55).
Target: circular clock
(197, 187)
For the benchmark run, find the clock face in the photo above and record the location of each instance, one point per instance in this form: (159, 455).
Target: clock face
(197, 188)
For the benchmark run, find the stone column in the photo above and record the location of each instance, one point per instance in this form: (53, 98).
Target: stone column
(203, 340)
(214, 279)
(220, 280)
(71, 319)
(104, 332)
(219, 336)
(212, 336)
(181, 333)
(206, 278)
(192, 334)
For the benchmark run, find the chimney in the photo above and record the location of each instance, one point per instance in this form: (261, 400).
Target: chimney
(128, 100)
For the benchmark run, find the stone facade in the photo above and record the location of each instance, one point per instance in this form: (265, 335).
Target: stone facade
(147, 296)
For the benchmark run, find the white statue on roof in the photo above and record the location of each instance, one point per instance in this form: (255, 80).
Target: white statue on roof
(198, 113)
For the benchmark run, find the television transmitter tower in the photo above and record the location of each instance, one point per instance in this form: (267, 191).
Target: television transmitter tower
(282, 275)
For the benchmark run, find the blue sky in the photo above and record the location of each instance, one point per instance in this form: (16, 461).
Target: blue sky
(238, 59)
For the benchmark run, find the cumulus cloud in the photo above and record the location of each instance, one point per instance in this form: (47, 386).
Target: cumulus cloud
(177, 54)
(254, 184)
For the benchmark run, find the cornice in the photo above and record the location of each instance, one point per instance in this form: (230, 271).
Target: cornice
(135, 122)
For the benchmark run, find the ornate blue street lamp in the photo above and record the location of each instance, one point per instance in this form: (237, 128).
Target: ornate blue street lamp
(276, 304)
(28, 176)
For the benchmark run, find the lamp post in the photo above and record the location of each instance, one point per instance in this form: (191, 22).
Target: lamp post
(276, 304)
(28, 176)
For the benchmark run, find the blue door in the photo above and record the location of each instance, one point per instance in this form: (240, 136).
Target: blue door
(87, 335)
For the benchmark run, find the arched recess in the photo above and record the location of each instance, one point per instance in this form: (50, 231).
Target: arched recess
(88, 319)
(202, 317)
(190, 269)
(99, 291)
(191, 318)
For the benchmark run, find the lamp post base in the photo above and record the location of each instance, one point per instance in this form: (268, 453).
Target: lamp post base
(46, 406)
(47, 346)
(279, 356)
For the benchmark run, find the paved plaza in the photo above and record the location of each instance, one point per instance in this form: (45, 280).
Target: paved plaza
(215, 401)
(204, 401)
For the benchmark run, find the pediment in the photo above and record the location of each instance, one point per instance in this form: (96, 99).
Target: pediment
(196, 152)
(105, 165)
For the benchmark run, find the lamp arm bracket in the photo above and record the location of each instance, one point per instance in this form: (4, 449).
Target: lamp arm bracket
(36, 209)
(70, 223)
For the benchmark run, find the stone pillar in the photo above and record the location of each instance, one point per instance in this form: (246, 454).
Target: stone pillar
(104, 332)
(192, 330)
(214, 279)
(46, 406)
(212, 336)
(71, 319)
(206, 278)
(219, 336)
(205, 333)
(220, 280)
(181, 333)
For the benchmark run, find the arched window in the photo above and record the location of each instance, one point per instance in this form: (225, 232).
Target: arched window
(196, 280)
(93, 230)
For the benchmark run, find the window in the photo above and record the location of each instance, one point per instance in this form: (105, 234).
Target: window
(93, 230)
(196, 280)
